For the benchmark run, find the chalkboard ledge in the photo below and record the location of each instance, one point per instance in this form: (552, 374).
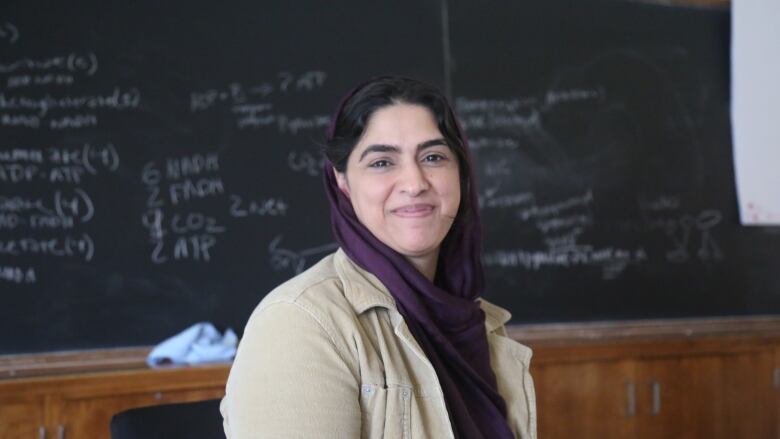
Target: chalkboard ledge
(67, 362)
(681, 331)
(641, 330)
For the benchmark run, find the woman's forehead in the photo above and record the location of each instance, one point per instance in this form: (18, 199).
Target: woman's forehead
(400, 125)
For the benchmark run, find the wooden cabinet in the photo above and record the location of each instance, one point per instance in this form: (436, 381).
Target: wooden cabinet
(580, 396)
(89, 417)
(21, 418)
(671, 386)
(728, 396)
(634, 380)
(81, 406)
(776, 387)
(709, 396)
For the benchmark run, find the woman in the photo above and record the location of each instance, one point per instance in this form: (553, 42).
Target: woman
(386, 337)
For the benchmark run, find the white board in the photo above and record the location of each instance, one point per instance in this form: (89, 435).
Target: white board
(755, 109)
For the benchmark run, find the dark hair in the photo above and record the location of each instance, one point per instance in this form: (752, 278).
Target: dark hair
(356, 109)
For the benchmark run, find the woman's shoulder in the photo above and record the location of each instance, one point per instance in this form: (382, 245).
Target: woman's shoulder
(320, 276)
(317, 294)
(312, 302)
(316, 287)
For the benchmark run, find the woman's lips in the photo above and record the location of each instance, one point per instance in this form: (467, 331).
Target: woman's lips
(414, 210)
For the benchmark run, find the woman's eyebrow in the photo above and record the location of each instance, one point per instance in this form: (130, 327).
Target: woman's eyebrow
(429, 143)
(378, 148)
(394, 149)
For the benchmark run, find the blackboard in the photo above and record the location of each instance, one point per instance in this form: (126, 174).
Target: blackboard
(604, 142)
(160, 160)
(159, 163)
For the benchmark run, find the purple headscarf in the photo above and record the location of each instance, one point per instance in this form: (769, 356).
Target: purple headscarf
(443, 316)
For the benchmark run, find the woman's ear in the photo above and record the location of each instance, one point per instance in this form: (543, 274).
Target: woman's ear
(341, 180)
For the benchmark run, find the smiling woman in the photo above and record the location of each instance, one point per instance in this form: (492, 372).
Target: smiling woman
(403, 181)
(388, 336)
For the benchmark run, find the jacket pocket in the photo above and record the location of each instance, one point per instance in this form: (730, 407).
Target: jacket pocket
(386, 411)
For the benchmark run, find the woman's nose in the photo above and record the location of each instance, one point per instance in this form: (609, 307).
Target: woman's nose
(413, 181)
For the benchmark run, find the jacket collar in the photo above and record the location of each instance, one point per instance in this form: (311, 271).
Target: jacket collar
(365, 291)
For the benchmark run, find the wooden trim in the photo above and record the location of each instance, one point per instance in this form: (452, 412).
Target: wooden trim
(689, 3)
(549, 340)
(115, 383)
(636, 330)
(53, 363)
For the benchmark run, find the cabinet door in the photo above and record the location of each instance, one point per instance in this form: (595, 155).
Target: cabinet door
(708, 396)
(662, 388)
(21, 419)
(90, 417)
(776, 396)
(731, 395)
(586, 400)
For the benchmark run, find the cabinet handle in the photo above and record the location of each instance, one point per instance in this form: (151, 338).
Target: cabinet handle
(656, 387)
(630, 398)
(61, 432)
(777, 377)
(41, 432)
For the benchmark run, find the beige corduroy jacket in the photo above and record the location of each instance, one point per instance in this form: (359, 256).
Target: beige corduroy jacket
(328, 355)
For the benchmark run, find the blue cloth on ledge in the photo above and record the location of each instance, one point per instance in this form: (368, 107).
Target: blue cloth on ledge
(198, 344)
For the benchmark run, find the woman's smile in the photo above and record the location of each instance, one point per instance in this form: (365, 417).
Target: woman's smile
(414, 211)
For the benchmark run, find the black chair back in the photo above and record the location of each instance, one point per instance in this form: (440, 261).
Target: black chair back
(191, 420)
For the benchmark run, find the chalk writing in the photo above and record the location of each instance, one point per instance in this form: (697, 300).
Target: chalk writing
(292, 125)
(18, 275)
(558, 97)
(191, 165)
(9, 33)
(194, 234)
(521, 120)
(468, 105)
(268, 207)
(681, 230)
(72, 62)
(177, 235)
(67, 246)
(663, 202)
(195, 222)
(254, 106)
(196, 248)
(65, 208)
(11, 221)
(553, 224)
(493, 142)
(497, 168)
(613, 259)
(15, 155)
(691, 234)
(285, 259)
(20, 165)
(118, 99)
(17, 173)
(490, 200)
(74, 121)
(22, 204)
(305, 163)
(190, 189)
(557, 208)
(238, 94)
(76, 203)
(56, 79)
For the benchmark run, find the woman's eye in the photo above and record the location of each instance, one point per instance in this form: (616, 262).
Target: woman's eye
(380, 164)
(434, 158)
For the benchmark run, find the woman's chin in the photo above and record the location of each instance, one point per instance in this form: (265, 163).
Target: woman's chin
(417, 251)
